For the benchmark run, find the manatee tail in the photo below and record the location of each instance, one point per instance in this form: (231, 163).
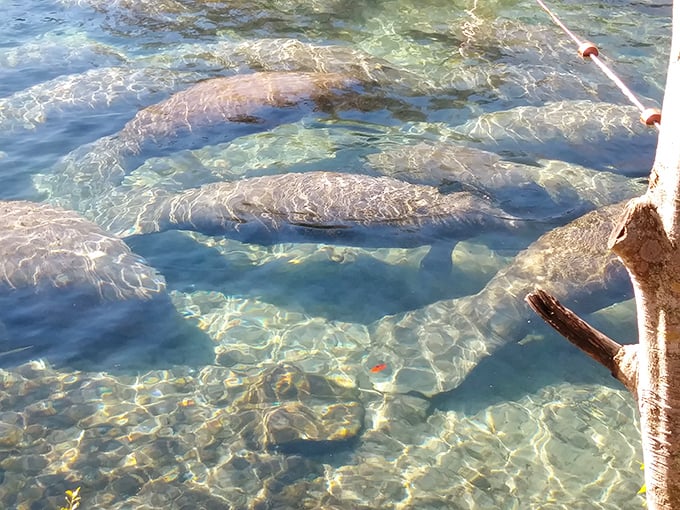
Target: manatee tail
(432, 350)
(86, 175)
(129, 212)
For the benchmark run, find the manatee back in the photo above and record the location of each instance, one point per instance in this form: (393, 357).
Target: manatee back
(75, 295)
(331, 203)
(45, 247)
(227, 99)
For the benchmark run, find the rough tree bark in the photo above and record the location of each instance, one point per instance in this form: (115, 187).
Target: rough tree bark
(647, 241)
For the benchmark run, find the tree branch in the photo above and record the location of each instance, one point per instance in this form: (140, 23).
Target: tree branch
(640, 241)
(620, 360)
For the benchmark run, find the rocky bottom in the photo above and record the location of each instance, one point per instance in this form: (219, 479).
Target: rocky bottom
(276, 436)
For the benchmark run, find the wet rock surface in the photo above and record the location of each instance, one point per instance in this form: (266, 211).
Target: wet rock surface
(214, 438)
(285, 409)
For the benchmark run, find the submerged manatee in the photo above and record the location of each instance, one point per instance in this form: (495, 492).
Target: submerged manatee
(432, 350)
(508, 62)
(33, 61)
(42, 247)
(234, 98)
(92, 171)
(282, 54)
(555, 131)
(68, 290)
(330, 205)
(286, 54)
(29, 108)
(551, 188)
(132, 10)
(517, 41)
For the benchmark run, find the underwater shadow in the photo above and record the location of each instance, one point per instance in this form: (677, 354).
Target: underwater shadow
(520, 369)
(111, 336)
(348, 286)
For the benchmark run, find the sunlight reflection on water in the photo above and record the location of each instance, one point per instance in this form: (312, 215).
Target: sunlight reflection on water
(285, 411)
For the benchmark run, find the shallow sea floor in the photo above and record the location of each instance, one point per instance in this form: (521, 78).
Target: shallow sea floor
(277, 391)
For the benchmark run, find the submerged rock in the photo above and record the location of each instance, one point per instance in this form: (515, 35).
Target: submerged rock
(545, 449)
(10, 435)
(286, 409)
(432, 350)
(178, 437)
(175, 437)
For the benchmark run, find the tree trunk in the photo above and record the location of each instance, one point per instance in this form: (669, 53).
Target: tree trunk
(646, 240)
(647, 243)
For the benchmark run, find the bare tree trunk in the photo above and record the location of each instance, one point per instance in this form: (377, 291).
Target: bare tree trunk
(647, 241)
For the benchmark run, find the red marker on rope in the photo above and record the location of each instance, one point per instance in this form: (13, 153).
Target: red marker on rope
(586, 49)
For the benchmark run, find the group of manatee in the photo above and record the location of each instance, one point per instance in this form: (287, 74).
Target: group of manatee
(74, 247)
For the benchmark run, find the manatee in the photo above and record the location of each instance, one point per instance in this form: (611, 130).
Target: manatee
(506, 84)
(213, 16)
(42, 246)
(33, 61)
(65, 282)
(235, 99)
(280, 54)
(551, 188)
(510, 62)
(530, 46)
(431, 350)
(283, 54)
(573, 131)
(93, 170)
(96, 88)
(331, 206)
(537, 47)
(516, 41)
(134, 10)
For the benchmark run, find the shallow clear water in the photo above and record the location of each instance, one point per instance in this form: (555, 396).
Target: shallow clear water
(178, 402)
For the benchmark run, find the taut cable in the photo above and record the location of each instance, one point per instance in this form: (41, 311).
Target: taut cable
(649, 116)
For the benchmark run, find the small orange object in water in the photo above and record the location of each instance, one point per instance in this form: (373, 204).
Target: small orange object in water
(379, 367)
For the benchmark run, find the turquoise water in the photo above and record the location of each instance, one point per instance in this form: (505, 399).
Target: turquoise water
(247, 382)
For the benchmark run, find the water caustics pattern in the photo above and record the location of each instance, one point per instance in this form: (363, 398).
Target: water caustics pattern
(338, 206)
(273, 254)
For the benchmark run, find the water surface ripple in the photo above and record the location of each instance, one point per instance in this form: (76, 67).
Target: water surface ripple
(272, 254)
